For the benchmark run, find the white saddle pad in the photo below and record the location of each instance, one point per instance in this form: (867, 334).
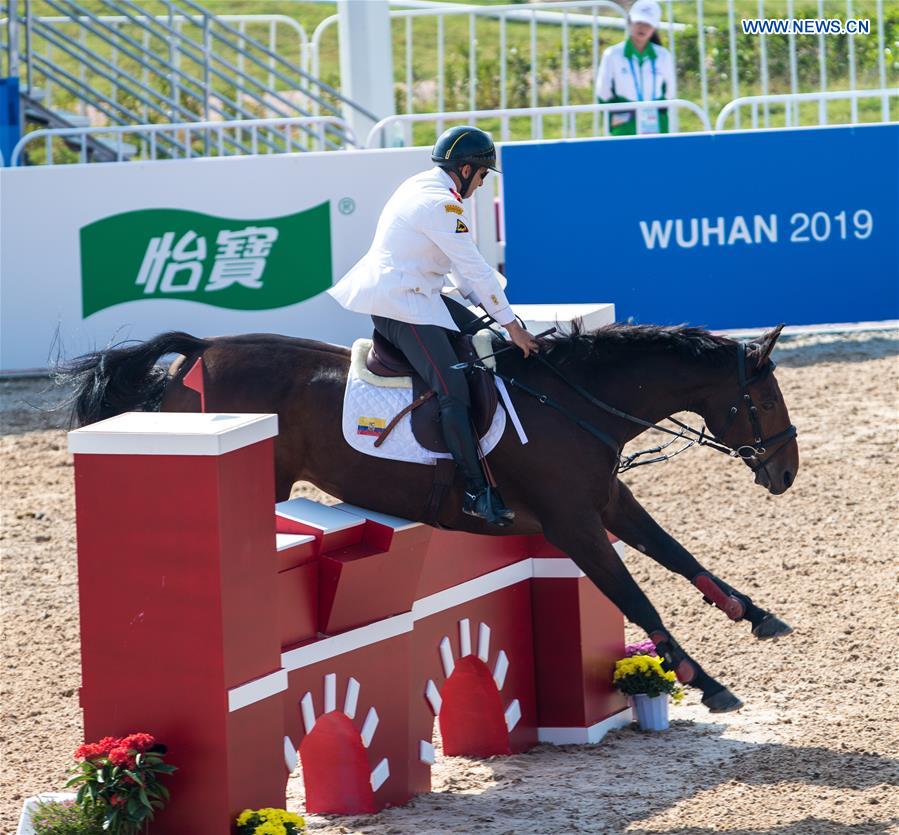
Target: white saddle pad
(371, 402)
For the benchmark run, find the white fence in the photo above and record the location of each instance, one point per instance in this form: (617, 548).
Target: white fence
(504, 45)
(792, 102)
(384, 131)
(252, 137)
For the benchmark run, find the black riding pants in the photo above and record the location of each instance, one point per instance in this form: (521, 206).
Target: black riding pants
(428, 349)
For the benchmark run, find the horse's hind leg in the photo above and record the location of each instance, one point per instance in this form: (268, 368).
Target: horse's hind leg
(587, 544)
(625, 517)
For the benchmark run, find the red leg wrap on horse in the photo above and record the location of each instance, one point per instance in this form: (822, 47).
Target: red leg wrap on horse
(728, 604)
(684, 669)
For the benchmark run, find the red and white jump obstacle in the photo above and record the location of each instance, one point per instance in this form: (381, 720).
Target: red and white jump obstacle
(242, 637)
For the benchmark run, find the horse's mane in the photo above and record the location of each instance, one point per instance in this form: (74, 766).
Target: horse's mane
(618, 342)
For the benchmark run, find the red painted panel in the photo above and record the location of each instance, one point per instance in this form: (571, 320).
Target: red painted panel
(472, 718)
(602, 634)
(297, 555)
(578, 636)
(258, 774)
(335, 768)
(348, 580)
(298, 604)
(176, 574)
(508, 614)
(455, 557)
(246, 494)
(383, 671)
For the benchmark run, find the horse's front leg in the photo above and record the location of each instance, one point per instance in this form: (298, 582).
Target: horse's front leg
(585, 541)
(625, 517)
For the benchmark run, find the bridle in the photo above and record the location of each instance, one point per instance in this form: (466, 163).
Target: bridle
(772, 445)
(756, 454)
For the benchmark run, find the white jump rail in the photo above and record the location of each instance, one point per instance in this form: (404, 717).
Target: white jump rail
(732, 108)
(537, 114)
(185, 132)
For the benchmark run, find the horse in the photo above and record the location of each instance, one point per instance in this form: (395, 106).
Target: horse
(563, 484)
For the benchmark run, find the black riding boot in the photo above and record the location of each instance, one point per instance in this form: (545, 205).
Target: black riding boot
(480, 499)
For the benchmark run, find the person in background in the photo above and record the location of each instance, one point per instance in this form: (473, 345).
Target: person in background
(639, 69)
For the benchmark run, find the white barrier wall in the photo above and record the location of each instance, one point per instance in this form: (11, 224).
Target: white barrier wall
(107, 252)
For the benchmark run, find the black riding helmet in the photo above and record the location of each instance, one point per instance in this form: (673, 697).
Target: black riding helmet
(464, 145)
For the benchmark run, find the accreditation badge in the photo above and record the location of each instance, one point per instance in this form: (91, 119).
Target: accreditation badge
(647, 121)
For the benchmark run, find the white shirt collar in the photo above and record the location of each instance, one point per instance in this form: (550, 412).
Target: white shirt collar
(445, 179)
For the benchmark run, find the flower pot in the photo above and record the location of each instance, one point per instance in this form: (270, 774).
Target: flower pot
(652, 711)
(31, 803)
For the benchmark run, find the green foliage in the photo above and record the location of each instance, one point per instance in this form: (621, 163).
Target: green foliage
(118, 781)
(508, 79)
(65, 819)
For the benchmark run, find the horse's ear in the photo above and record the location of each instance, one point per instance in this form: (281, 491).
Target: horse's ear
(766, 345)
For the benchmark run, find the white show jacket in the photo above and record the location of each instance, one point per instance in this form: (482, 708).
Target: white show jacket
(422, 241)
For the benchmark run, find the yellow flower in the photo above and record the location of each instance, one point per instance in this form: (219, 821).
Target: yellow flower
(270, 828)
(244, 817)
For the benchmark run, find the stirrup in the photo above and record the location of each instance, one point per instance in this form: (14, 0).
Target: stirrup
(482, 505)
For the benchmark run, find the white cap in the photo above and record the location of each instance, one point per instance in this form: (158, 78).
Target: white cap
(646, 11)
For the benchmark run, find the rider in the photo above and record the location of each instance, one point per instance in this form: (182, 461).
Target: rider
(423, 241)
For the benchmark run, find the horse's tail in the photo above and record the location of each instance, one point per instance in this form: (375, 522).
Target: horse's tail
(123, 377)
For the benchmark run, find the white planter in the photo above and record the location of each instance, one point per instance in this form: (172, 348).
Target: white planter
(31, 803)
(652, 711)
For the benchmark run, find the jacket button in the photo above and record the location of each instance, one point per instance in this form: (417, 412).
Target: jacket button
(418, 289)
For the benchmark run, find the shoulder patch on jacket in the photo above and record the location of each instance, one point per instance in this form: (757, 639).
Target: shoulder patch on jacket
(452, 207)
(461, 227)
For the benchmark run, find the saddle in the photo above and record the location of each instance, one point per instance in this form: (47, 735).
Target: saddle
(386, 360)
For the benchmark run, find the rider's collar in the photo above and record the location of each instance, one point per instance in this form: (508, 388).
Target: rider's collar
(448, 181)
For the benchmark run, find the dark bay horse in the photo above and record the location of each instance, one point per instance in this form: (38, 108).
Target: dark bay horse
(563, 483)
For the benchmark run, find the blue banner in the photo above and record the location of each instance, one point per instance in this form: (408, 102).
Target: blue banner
(728, 231)
(9, 117)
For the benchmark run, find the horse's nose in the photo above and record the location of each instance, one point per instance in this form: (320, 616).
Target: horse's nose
(788, 478)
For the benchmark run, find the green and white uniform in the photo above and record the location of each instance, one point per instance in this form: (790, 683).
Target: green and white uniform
(627, 75)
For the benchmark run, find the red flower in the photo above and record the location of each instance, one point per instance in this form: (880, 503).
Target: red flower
(121, 756)
(108, 743)
(117, 800)
(138, 742)
(89, 751)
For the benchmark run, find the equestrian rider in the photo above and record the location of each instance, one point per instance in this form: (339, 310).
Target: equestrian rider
(423, 243)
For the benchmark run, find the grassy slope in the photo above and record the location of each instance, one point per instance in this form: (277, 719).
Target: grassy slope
(581, 52)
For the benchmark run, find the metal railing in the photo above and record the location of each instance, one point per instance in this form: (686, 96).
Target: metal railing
(134, 67)
(568, 114)
(285, 37)
(193, 139)
(556, 14)
(791, 102)
(715, 61)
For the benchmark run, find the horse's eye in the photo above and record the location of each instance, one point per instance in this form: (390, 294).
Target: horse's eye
(768, 405)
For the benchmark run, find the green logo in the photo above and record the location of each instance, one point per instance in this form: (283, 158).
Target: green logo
(174, 254)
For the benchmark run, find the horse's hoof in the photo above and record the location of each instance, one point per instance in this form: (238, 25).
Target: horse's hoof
(771, 627)
(722, 701)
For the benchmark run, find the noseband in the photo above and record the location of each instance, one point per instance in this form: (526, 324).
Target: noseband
(751, 453)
